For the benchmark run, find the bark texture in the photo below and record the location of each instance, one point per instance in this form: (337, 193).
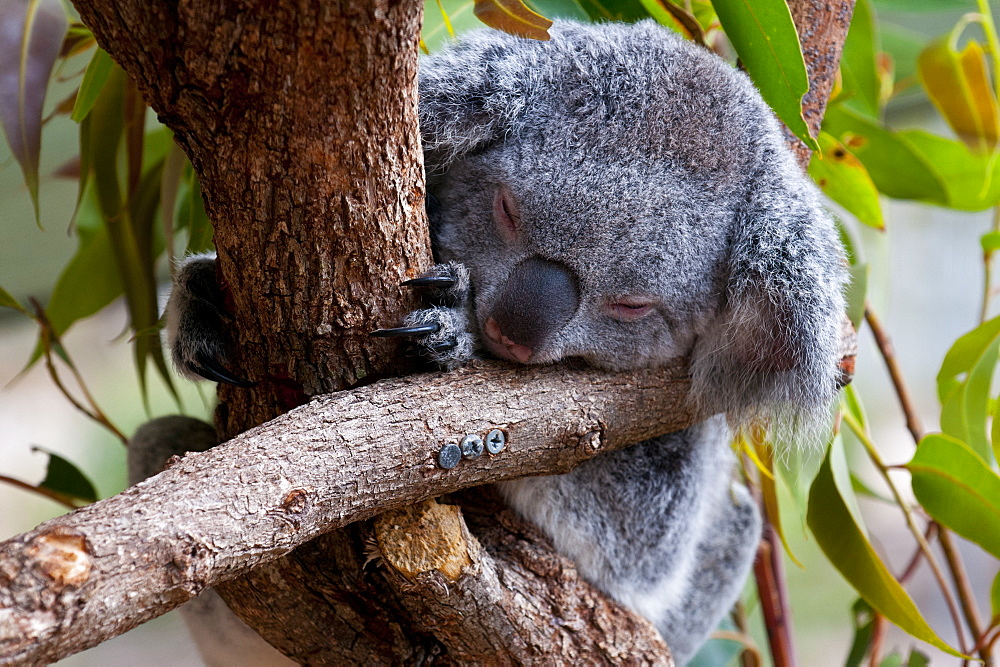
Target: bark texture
(89, 575)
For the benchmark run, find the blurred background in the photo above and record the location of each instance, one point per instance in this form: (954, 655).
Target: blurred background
(926, 283)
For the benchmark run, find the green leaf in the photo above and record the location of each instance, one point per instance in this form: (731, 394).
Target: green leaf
(958, 83)
(972, 180)
(990, 241)
(843, 541)
(66, 479)
(896, 167)
(93, 81)
(844, 179)
(764, 36)
(963, 385)
(8, 301)
(958, 489)
(864, 625)
(858, 66)
(30, 40)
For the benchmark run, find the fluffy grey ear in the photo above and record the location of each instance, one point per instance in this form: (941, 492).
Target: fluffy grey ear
(773, 350)
(470, 94)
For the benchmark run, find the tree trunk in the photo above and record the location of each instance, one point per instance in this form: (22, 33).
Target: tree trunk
(301, 123)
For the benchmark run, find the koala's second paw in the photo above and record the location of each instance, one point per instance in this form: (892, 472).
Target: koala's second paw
(441, 333)
(197, 322)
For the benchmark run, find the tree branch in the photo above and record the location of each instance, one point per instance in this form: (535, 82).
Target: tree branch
(87, 576)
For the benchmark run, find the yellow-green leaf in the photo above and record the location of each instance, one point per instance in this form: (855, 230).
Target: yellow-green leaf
(862, 81)
(959, 85)
(513, 17)
(995, 596)
(8, 301)
(844, 179)
(845, 545)
(93, 80)
(958, 489)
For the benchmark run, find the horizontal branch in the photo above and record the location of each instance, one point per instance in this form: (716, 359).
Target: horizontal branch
(343, 457)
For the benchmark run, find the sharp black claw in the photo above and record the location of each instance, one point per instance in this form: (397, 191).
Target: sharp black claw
(441, 347)
(430, 281)
(210, 369)
(406, 331)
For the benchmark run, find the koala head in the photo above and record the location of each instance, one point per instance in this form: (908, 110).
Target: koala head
(625, 197)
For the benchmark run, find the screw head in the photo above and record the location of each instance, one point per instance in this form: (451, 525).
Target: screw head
(449, 456)
(472, 446)
(495, 441)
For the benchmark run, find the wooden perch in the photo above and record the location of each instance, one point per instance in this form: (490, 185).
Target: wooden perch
(85, 577)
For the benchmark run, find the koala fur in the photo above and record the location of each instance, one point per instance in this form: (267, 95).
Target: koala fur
(623, 196)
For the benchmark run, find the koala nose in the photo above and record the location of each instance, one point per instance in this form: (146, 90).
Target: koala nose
(537, 301)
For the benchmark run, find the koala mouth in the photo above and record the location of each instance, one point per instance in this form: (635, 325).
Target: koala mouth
(504, 347)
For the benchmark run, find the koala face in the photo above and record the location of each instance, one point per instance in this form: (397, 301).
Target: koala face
(607, 261)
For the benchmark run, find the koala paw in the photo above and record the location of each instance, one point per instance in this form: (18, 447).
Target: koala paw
(197, 321)
(441, 333)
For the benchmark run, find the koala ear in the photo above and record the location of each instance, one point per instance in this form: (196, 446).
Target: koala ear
(773, 349)
(470, 94)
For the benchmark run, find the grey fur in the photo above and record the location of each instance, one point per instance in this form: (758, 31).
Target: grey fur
(633, 197)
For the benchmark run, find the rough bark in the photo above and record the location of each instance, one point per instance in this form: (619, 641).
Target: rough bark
(89, 575)
(300, 120)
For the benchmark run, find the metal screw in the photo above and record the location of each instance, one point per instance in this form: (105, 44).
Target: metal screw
(449, 456)
(495, 441)
(472, 446)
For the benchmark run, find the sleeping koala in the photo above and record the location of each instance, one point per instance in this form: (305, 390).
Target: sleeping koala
(622, 196)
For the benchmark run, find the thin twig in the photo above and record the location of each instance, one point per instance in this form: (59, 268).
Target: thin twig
(876, 458)
(879, 631)
(965, 595)
(888, 356)
(50, 338)
(918, 553)
(773, 597)
(48, 493)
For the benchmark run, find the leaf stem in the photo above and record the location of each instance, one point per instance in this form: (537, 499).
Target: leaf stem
(925, 547)
(965, 595)
(48, 493)
(889, 357)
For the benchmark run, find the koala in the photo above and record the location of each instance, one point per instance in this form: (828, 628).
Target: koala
(625, 197)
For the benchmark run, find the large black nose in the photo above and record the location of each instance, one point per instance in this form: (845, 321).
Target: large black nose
(537, 301)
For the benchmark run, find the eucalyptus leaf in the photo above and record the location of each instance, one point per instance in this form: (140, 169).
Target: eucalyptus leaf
(94, 78)
(66, 479)
(764, 36)
(8, 301)
(972, 179)
(848, 549)
(31, 36)
(958, 489)
(995, 596)
(513, 17)
(896, 167)
(858, 63)
(844, 179)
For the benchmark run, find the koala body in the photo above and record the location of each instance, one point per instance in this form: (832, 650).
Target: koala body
(622, 196)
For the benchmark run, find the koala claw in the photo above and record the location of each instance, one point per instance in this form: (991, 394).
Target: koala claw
(415, 330)
(210, 369)
(431, 281)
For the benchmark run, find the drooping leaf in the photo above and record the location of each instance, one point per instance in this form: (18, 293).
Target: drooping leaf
(764, 36)
(963, 385)
(66, 479)
(972, 180)
(844, 542)
(31, 36)
(858, 63)
(844, 179)
(864, 625)
(513, 17)
(958, 489)
(894, 165)
(93, 80)
(959, 85)
(8, 301)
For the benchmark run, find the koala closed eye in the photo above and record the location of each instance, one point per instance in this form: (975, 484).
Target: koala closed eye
(629, 308)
